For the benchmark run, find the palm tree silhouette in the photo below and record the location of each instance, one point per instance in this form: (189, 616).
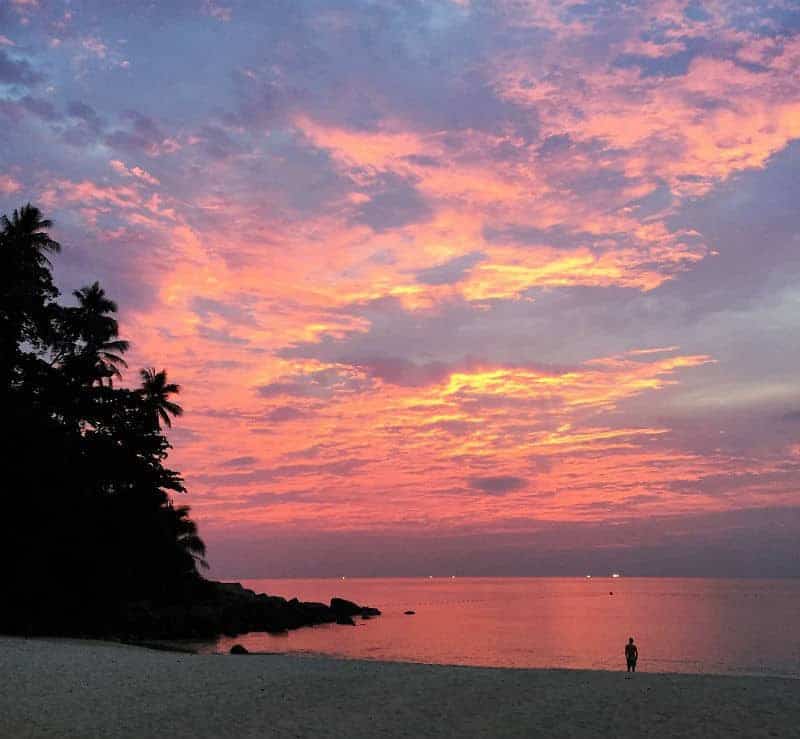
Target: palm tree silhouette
(155, 393)
(28, 228)
(186, 537)
(99, 330)
(26, 283)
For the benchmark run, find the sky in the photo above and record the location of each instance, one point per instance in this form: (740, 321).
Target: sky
(467, 287)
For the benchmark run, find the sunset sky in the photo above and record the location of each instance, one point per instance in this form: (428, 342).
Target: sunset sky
(451, 286)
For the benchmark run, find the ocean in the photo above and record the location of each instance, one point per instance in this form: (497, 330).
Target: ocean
(688, 625)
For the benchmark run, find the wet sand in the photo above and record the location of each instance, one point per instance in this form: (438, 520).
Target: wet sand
(72, 688)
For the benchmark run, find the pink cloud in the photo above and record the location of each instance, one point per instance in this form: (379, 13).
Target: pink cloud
(136, 172)
(9, 185)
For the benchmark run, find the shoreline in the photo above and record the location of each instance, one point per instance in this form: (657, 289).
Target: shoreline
(299, 654)
(173, 647)
(76, 688)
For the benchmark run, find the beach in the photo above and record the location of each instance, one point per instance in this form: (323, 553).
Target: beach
(75, 688)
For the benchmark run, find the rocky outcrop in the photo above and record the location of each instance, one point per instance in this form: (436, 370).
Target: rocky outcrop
(347, 609)
(231, 609)
(203, 610)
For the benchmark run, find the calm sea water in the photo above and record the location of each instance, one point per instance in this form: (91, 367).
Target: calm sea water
(680, 625)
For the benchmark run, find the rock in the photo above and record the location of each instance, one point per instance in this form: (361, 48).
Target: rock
(365, 617)
(238, 649)
(318, 613)
(409, 613)
(343, 620)
(343, 607)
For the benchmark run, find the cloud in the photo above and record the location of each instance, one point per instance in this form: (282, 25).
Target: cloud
(392, 202)
(245, 461)
(450, 272)
(39, 107)
(285, 413)
(238, 309)
(500, 485)
(339, 468)
(322, 383)
(83, 126)
(137, 172)
(17, 71)
(403, 372)
(221, 336)
(142, 135)
(267, 500)
(86, 113)
(95, 47)
(217, 142)
(9, 185)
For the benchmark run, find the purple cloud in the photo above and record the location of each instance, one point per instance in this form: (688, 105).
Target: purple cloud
(17, 71)
(497, 485)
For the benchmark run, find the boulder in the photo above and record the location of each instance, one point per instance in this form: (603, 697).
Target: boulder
(343, 620)
(409, 613)
(318, 613)
(239, 649)
(343, 607)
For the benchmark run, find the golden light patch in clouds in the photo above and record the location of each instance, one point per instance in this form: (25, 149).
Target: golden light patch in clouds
(390, 438)
(469, 197)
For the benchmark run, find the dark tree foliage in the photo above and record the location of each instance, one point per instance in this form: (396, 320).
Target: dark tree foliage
(87, 522)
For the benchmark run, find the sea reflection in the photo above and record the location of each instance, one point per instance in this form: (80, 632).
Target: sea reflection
(680, 625)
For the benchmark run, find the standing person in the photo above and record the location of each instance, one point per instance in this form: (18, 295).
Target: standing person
(631, 655)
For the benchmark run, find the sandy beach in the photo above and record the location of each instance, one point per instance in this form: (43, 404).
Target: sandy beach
(71, 688)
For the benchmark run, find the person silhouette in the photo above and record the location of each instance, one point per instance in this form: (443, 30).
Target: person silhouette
(631, 655)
